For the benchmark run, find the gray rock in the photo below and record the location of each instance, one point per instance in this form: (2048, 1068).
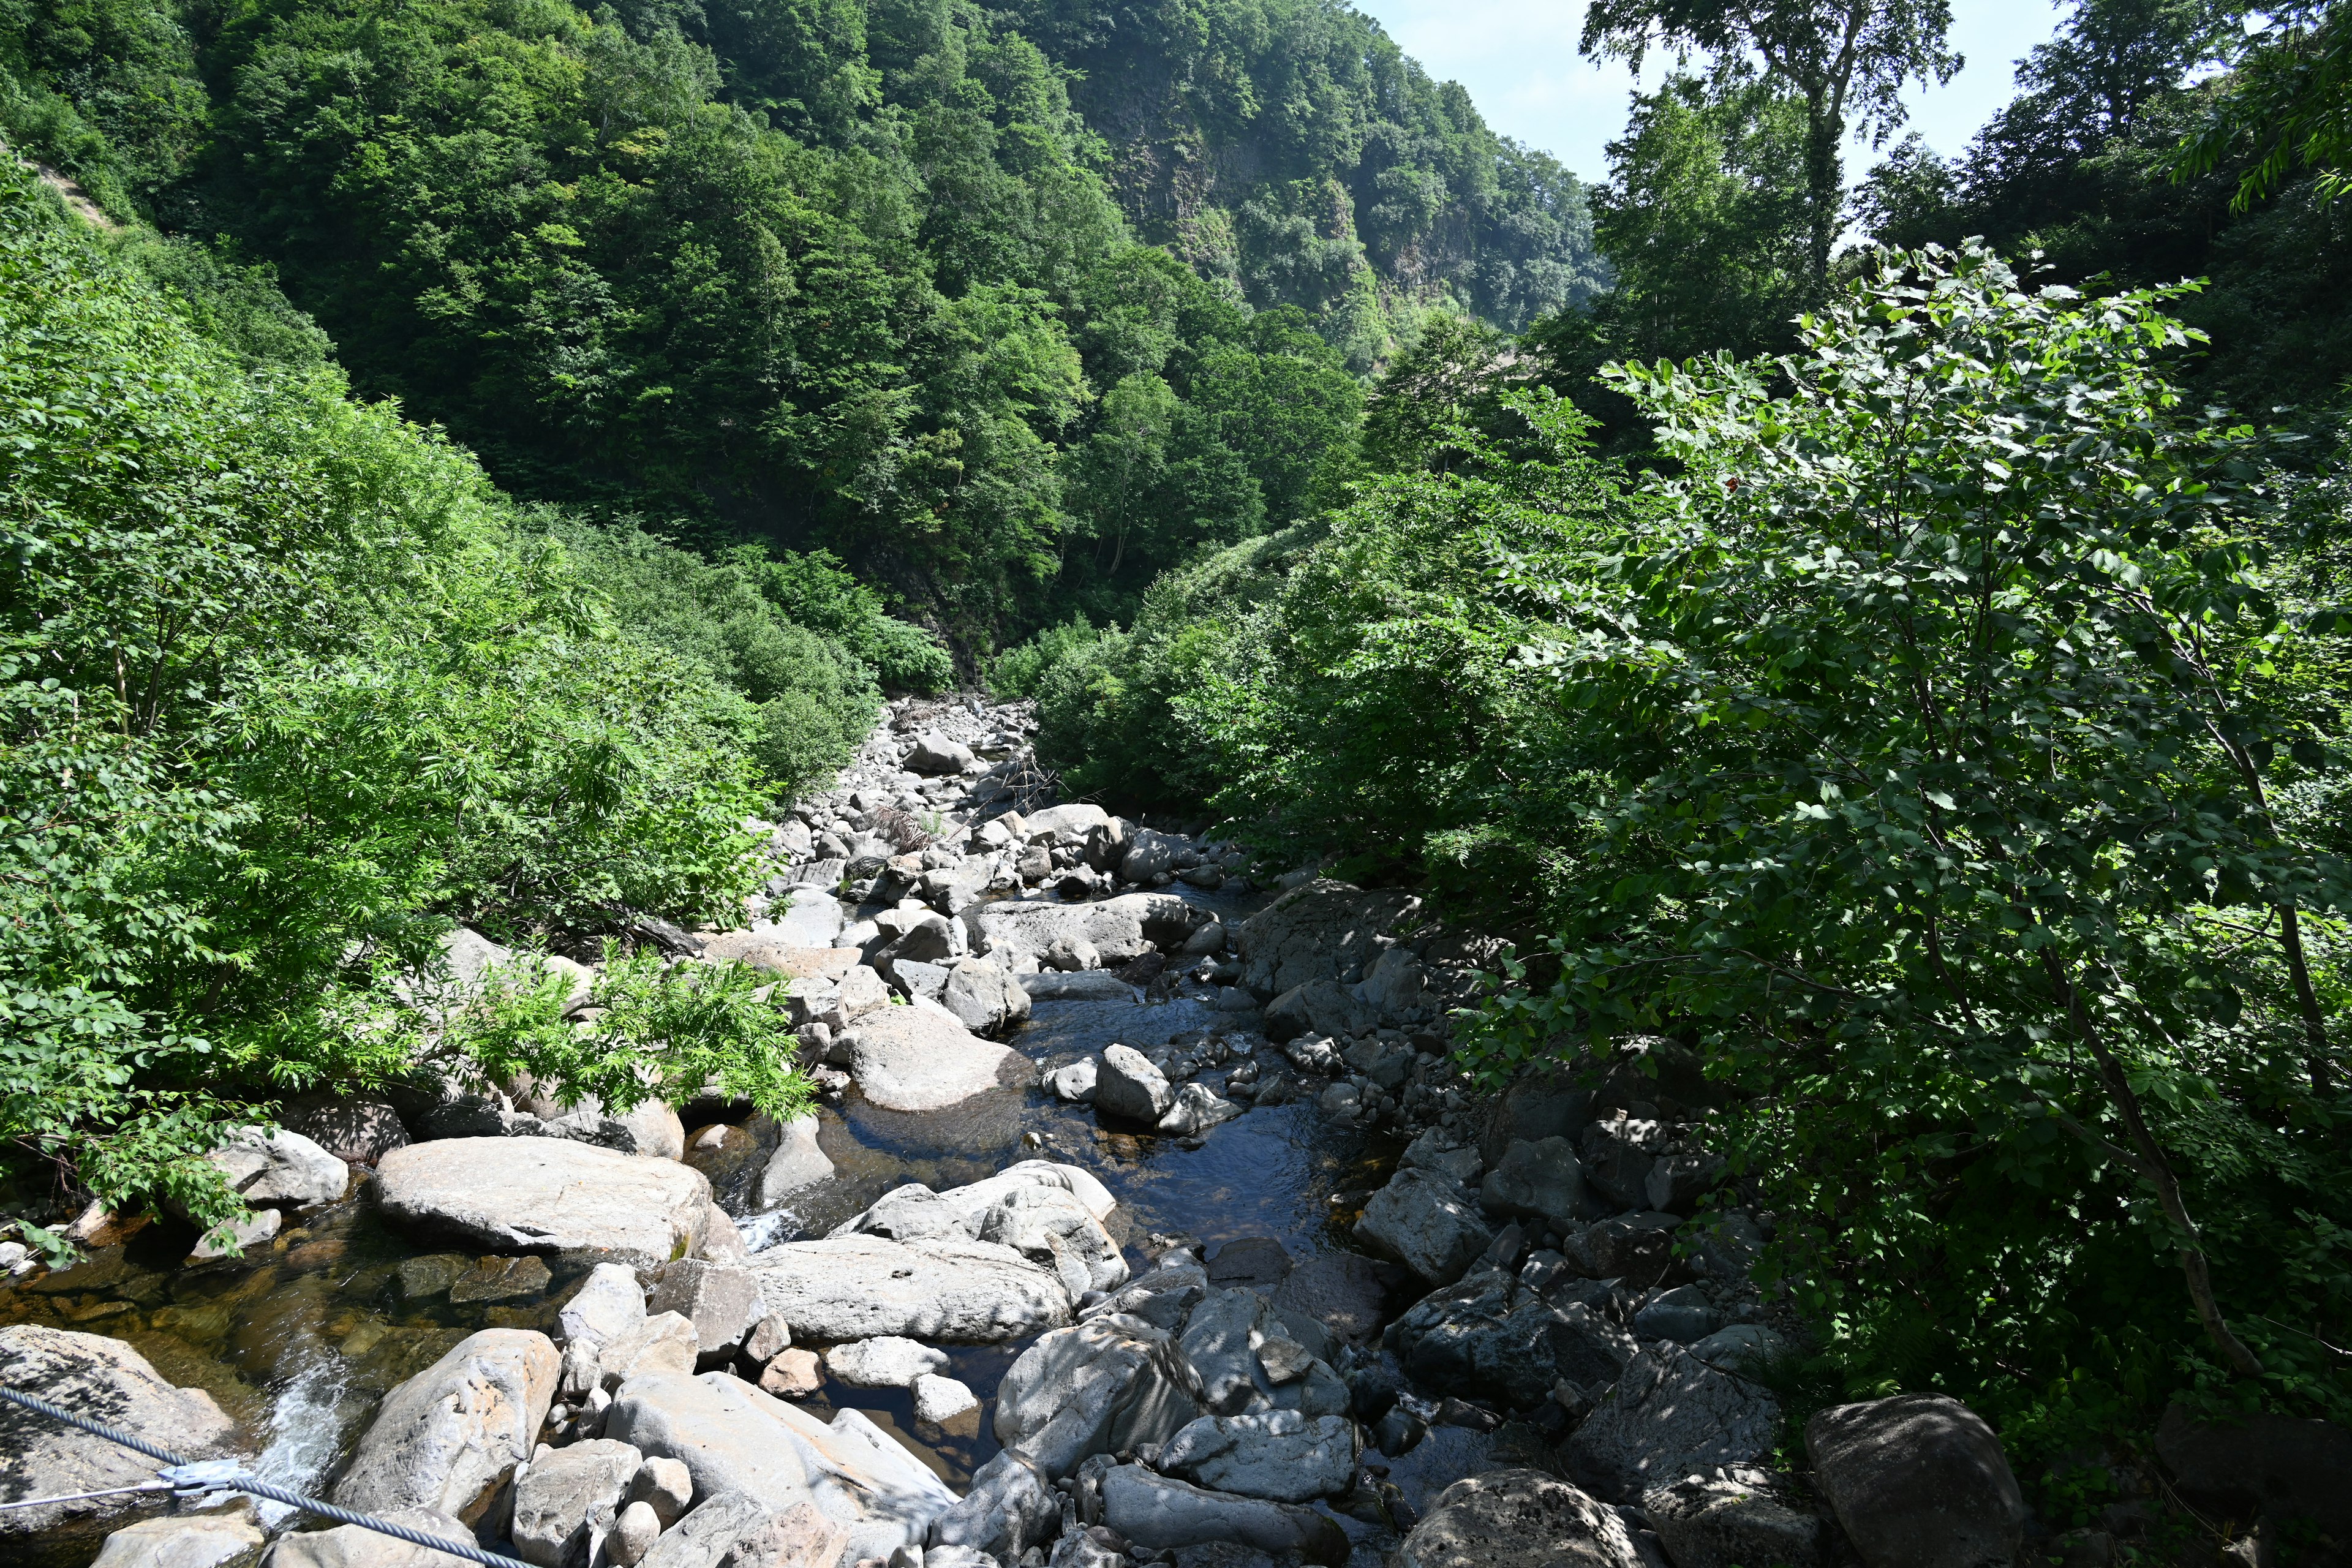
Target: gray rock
(1220, 1344)
(356, 1546)
(935, 753)
(1161, 1512)
(920, 982)
(984, 995)
(568, 1496)
(862, 1287)
(813, 919)
(1547, 1104)
(1195, 1110)
(1684, 1315)
(1491, 1337)
(448, 1438)
(1543, 1180)
(733, 1437)
(966, 1557)
(1126, 1084)
(1741, 1348)
(1317, 932)
(1011, 1508)
(1427, 1223)
(886, 1362)
(1064, 823)
(1919, 1480)
(1396, 986)
(733, 1530)
(1635, 1247)
(1163, 1297)
(1677, 1181)
(608, 1304)
(665, 1485)
(1518, 1519)
(927, 938)
(281, 1170)
(1669, 1417)
(1278, 1454)
(1386, 1063)
(797, 1163)
(358, 1128)
(1053, 1228)
(939, 1400)
(1080, 986)
(922, 1058)
(1706, 1521)
(1438, 1149)
(721, 1301)
(1073, 1081)
(1102, 1388)
(1018, 934)
(1323, 1006)
(1340, 1292)
(665, 1343)
(861, 994)
(1728, 1244)
(1150, 854)
(1618, 1157)
(634, 1530)
(652, 1129)
(186, 1540)
(1258, 1262)
(547, 1197)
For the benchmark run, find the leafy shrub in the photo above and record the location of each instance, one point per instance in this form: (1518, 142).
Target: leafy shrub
(1015, 672)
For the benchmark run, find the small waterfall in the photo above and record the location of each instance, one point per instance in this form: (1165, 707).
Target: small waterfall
(306, 1432)
(762, 1231)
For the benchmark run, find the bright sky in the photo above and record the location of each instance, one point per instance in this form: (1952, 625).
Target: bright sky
(1518, 59)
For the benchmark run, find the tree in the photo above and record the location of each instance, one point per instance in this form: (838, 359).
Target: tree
(1847, 60)
(2291, 96)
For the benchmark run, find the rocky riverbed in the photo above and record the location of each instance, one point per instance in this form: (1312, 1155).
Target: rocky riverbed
(1146, 1219)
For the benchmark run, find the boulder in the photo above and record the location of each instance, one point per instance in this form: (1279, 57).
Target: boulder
(767, 951)
(1544, 1104)
(906, 1213)
(358, 1128)
(1072, 823)
(939, 1400)
(652, 1129)
(1491, 1337)
(543, 1195)
(862, 1287)
(861, 994)
(1427, 1223)
(1161, 1512)
(1741, 1348)
(1149, 853)
(1342, 1291)
(448, 1438)
(1010, 1508)
(665, 1485)
(1677, 1181)
(1102, 1388)
(1396, 988)
(1519, 1519)
(184, 1541)
(1079, 985)
(1017, 934)
(734, 1438)
(793, 1374)
(1195, 1110)
(1053, 1228)
(721, 1301)
(1440, 1150)
(1277, 1454)
(567, 1497)
(2283, 1467)
(281, 1169)
(934, 753)
(1706, 1521)
(797, 1163)
(813, 919)
(608, 1304)
(104, 1378)
(884, 1363)
(984, 995)
(1386, 1063)
(1684, 1315)
(1126, 1084)
(921, 1059)
(1670, 1415)
(664, 1342)
(1322, 1007)
(1163, 1299)
(1220, 1344)
(1542, 1180)
(733, 1530)
(357, 1546)
(1256, 1262)
(1617, 1156)
(1317, 932)
(1074, 1082)
(1919, 1480)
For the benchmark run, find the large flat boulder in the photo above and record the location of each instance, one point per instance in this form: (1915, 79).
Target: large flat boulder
(1427, 1223)
(922, 1058)
(449, 1438)
(863, 1287)
(183, 1541)
(102, 1378)
(732, 1437)
(546, 1197)
(1162, 1512)
(1671, 1415)
(1519, 1519)
(1318, 932)
(357, 1546)
(768, 951)
(1102, 1388)
(1017, 932)
(1277, 1454)
(1917, 1480)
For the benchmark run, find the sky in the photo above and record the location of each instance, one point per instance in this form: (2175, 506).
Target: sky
(1518, 59)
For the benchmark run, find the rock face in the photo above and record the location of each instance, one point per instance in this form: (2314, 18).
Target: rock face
(1491, 1337)
(1518, 1519)
(1102, 1388)
(921, 1059)
(1708, 1522)
(733, 1439)
(1919, 1480)
(547, 1197)
(448, 1437)
(1279, 1455)
(190, 1540)
(1427, 1224)
(1317, 932)
(105, 1378)
(1159, 1511)
(1671, 1415)
(1126, 1084)
(863, 1287)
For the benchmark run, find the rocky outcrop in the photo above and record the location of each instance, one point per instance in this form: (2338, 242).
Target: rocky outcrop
(540, 1195)
(1919, 1480)
(1318, 932)
(106, 1379)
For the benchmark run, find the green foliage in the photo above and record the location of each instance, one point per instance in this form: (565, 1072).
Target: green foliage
(2291, 96)
(286, 690)
(1015, 673)
(663, 1032)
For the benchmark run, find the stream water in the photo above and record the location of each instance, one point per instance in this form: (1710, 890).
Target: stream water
(301, 1341)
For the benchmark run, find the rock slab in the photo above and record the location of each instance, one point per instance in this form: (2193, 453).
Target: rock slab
(549, 1196)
